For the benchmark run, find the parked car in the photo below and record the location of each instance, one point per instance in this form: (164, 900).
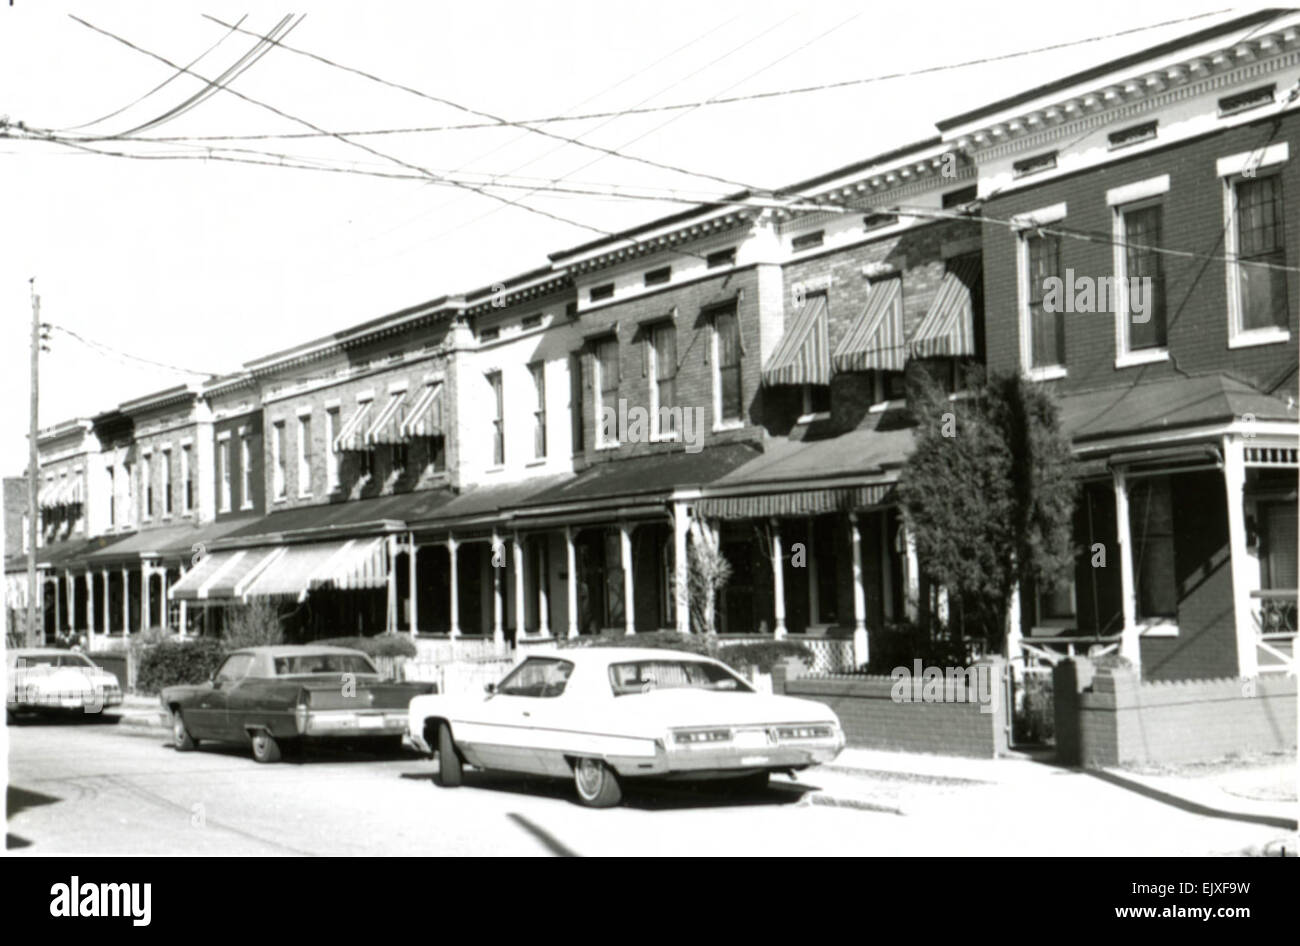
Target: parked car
(47, 680)
(274, 698)
(605, 715)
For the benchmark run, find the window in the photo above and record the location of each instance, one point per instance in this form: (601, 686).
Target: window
(889, 386)
(498, 419)
(146, 482)
(727, 393)
(606, 389)
(277, 460)
(604, 291)
(808, 241)
(718, 258)
(1132, 135)
(246, 471)
(876, 221)
(236, 667)
(657, 277)
(1152, 524)
(397, 457)
(1279, 545)
(131, 510)
(489, 334)
(1244, 101)
(531, 321)
(1141, 290)
(366, 458)
(223, 472)
(962, 195)
(1056, 606)
(1042, 253)
(823, 553)
(1257, 283)
(663, 372)
(537, 677)
(538, 371)
(1033, 165)
(187, 478)
(816, 398)
(167, 482)
(577, 404)
(304, 455)
(331, 457)
(112, 498)
(642, 676)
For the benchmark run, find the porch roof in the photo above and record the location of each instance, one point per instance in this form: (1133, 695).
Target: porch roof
(488, 502)
(345, 519)
(69, 553)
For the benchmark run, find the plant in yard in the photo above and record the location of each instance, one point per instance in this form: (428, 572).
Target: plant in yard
(708, 572)
(989, 493)
(174, 662)
(381, 645)
(253, 625)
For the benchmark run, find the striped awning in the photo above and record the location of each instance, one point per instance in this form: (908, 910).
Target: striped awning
(949, 327)
(360, 563)
(353, 434)
(424, 419)
(45, 495)
(224, 574)
(876, 341)
(385, 428)
(803, 354)
(809, 502)
(355, 563)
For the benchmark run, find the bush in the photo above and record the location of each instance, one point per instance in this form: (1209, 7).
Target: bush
(661, 640)
(177, 662)
(902, 643)
(381, 645)
(255, 624)
(762, 655)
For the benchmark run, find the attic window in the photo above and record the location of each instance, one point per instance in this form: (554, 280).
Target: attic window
(657, 277)
(718, 258)
(532, 321)
(808, 241)
(1039, 162)
(962, 195)
(489, 334)
(876, 221)
(1243, 101)
(1132, 135)
(605, 291)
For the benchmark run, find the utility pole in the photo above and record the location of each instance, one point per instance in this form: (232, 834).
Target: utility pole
(34, 636)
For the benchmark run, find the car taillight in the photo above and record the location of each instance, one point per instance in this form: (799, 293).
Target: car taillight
(694, 736)
(300, 711)
(805, 732)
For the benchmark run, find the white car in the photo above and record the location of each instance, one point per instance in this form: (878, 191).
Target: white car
(605, 714)
(41, 679)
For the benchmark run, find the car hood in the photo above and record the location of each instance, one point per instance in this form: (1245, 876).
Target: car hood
(692, 707)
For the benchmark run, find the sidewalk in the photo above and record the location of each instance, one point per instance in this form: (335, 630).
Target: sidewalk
(142, 713)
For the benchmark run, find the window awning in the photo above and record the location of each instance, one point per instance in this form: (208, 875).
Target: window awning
(224, 574)
(876, 341)
(809, 502)
(353, 434)
(45, 495)
(949, 327)
(355, 563)
(424, 419)
(385, 429)
(803, 354)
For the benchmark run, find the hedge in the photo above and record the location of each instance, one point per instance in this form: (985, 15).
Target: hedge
(176, 662)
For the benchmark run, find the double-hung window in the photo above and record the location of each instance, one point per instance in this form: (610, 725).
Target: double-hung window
(1259, 226)
(663, 376)
(277, 460)
(246, 471)
(498, 419)
(304, 455)
(728, 395)
(538, 372)
(1046, 318)
(607, 379)
(1140, 297)
(166, 472)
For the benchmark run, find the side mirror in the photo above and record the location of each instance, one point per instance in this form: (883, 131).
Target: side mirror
(490, 689)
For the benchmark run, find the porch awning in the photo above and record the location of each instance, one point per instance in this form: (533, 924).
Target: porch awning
(876, 340)
(424, 419)
(355, 563)
(803, 355)
(949, 327)
(353, 434)
(224, 574)
(810, 502)
(385, 428)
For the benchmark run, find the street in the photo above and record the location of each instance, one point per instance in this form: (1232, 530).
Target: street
(78, 787)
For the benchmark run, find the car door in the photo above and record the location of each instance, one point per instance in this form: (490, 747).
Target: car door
(206, 718)
(512, 727)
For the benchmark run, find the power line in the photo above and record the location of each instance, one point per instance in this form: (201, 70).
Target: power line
(109, 350)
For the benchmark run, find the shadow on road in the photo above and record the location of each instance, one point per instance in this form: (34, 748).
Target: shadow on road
(1272, 821)
(64, 718)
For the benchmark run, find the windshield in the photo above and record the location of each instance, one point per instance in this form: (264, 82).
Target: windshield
(323, 663)
(642, 676)
(53, 660)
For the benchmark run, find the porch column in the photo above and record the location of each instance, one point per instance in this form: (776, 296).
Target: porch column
(1130, 645)
(571, 569)
(1013, 635)
(391, 620)
(860, 642)
(183, 612)
(71, 584)
(778, 581)
(415, 592)
(912, 574)
(126, 602)
(498, 632)
(543, 587)
(453, 589)
(814, 594)
(521, 610)
(625, 557)
(681, 561)
(1234, 481)
(90, 607)
(58, 607)
(108, 610)
(146, 573)
(164, 607)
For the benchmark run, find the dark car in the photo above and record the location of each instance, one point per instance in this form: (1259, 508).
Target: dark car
(275, 698)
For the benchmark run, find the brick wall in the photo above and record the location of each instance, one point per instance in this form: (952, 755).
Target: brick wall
(873, 719)
(1112, 718)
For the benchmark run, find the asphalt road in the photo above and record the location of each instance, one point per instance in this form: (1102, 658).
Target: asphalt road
(78, 787)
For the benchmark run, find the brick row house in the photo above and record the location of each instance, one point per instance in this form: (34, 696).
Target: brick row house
(535, 458)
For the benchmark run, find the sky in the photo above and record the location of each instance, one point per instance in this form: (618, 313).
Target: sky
(201, 264)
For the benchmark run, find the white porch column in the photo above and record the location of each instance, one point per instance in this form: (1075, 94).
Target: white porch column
(391, 620)
(681, 578)
(183, 611)
(814, 593)
(912, 574)
(58, 608)
(126, 602)
(90, 607)
(146, 573)
(1130, 645)
(498, 631)
(860, 641)
(521, 610)
(543, 587)
(1013, 634)
(1245, 572)
(453, 589)
(415, 591)
(778, 581)
(164, 607)
(571, 569)
(886, 568)
(71, 584)
(625, 557)
(108, 611)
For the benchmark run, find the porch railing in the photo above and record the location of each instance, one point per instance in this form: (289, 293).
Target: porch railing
(1043, 652)
(830, 654)
(1274, 611)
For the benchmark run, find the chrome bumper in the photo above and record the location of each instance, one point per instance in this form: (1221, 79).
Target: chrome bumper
(356, 723)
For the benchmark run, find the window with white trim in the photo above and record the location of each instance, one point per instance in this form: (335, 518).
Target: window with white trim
(1043, 322)
(728, 394)
(277, 460)
(538, 372)
(331, 457)
(304, 455)
(1151, 521)
(662, 352)
(187, 478)
(498, 419)
(1142, 326)
(1258, 303)
(166, 472)
(146, 482)
(246, 471)
(606, 386)
(223, 472)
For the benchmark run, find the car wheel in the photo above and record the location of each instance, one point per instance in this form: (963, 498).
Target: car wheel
(597, 784)
(265, 748)
(182, 741)
(449, 767)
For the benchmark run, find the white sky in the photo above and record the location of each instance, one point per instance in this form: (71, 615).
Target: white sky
(204, 265)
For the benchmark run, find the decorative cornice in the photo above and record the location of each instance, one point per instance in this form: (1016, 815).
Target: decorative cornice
(673, 239)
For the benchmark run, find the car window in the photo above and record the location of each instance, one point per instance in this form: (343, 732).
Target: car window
(235, 668)
(74, 660)
(323, 663)
(641, 676)
(38, 660)
(537, 676)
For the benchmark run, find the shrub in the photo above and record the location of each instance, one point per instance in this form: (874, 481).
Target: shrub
(762, 655)
(177, 662)
(381, 645)
(901, 643)
(1035, 720)
(255, 624)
